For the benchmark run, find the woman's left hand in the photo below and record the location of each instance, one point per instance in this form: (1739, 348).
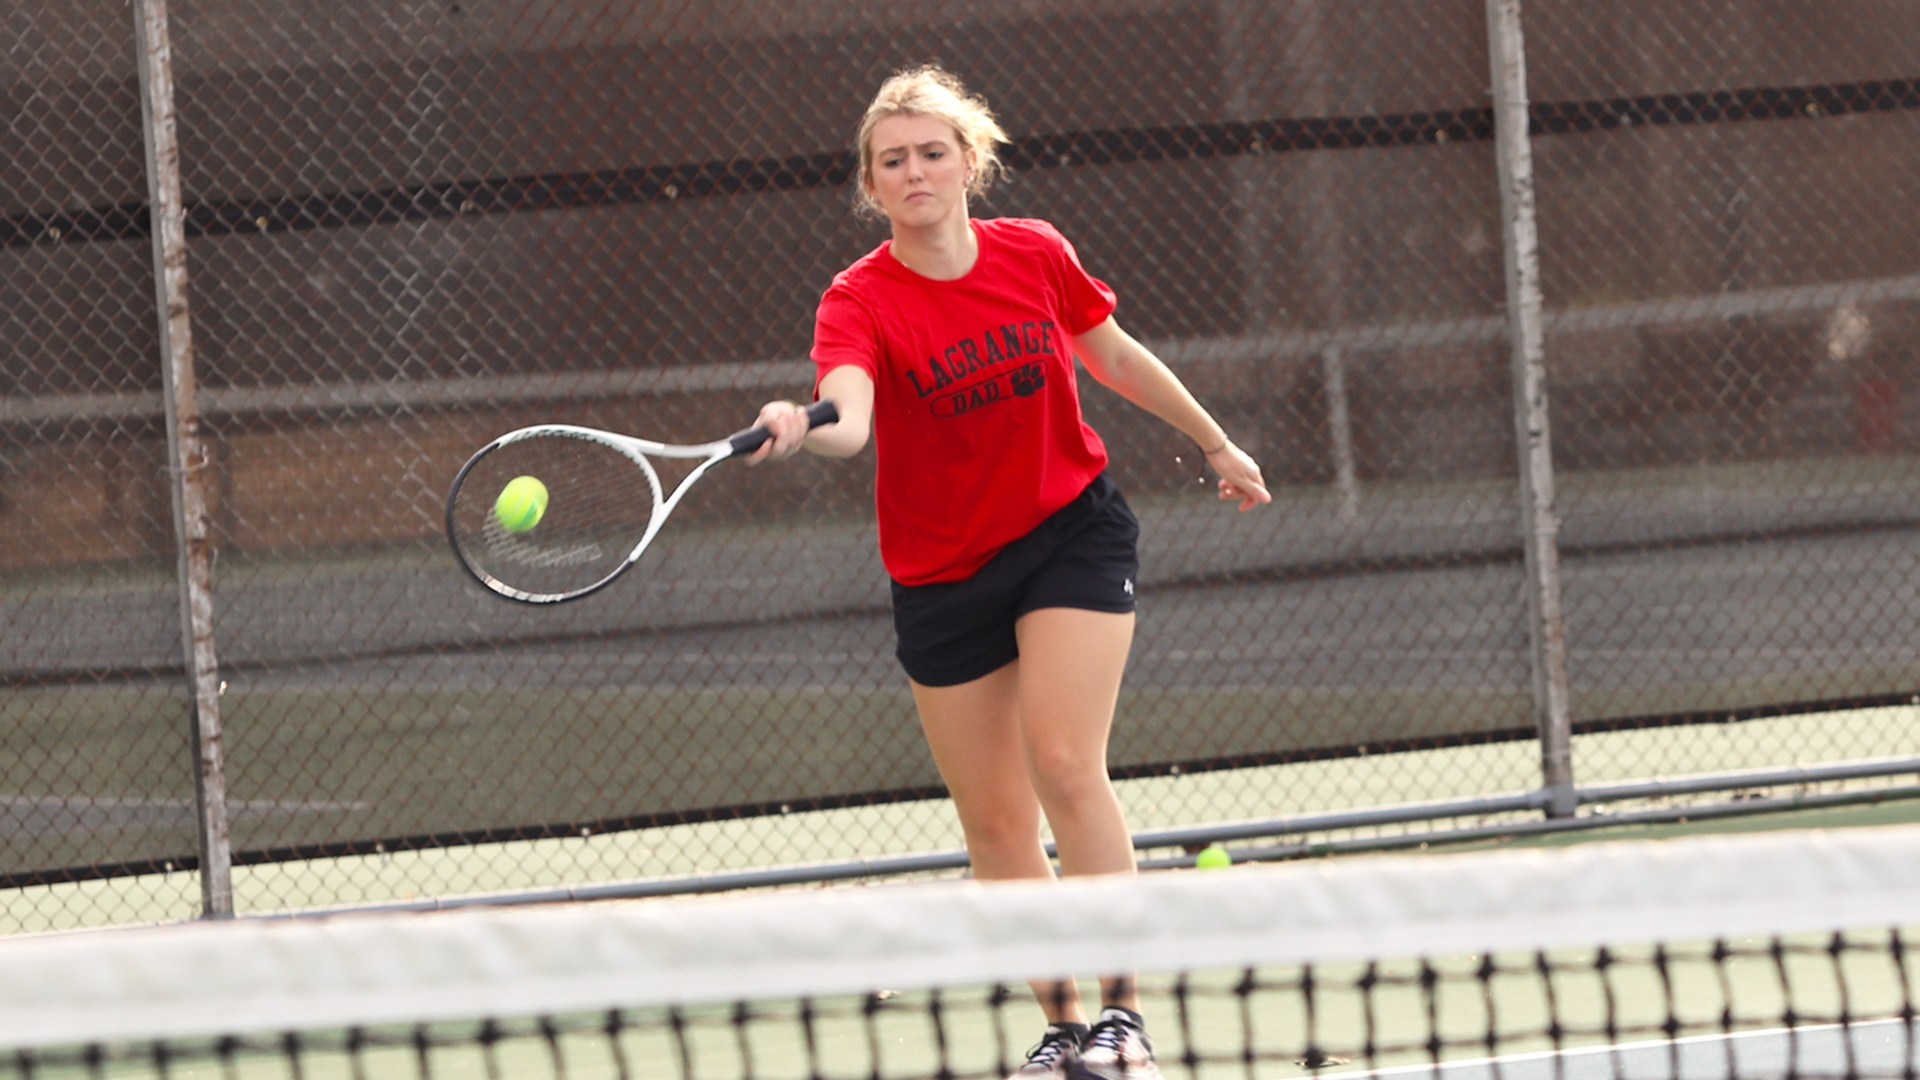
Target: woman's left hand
(1239, 477)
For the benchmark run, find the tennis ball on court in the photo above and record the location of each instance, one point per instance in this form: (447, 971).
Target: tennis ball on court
(1212, 857)
(521, 505)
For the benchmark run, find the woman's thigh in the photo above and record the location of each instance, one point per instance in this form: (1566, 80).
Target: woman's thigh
(973, 730)
(1071, 664)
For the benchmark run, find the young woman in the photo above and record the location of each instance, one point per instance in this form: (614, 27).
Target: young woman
(1012, 555)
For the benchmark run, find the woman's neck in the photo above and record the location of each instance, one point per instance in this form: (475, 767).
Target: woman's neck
(945, 251)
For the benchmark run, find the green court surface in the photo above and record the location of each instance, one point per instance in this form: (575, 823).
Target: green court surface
(929, 825)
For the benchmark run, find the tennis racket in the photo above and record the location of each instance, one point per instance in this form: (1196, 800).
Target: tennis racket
(603, 504)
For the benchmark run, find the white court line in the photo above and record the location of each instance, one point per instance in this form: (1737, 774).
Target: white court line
(1881, 1048)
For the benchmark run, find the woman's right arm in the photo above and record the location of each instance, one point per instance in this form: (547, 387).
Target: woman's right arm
(851, 391)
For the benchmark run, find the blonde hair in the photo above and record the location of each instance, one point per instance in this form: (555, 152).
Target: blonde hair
(929, 90)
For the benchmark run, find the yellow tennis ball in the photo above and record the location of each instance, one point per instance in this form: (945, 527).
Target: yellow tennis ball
(1212, 857)
(521, 505)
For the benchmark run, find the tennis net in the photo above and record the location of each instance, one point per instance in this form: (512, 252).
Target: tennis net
(1758, 956)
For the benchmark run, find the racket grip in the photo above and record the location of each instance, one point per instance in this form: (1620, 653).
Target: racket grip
(819, 414)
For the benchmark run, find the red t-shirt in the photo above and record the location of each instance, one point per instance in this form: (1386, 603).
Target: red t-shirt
(976, 416)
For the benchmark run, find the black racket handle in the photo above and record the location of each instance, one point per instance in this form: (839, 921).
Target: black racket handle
(819, 414)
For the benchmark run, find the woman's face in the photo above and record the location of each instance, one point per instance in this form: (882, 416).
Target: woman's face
(918, 173)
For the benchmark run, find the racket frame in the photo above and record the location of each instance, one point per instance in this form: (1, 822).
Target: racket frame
(637, 450)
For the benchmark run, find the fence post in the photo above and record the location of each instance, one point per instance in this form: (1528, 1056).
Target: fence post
(1346, 474)
(1540, 524)
(186, 455)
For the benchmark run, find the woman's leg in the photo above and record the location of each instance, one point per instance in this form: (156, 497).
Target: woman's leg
(1071, 663)
(973, 730)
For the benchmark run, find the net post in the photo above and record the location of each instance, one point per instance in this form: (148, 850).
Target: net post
(1520, 237)
(187, 454)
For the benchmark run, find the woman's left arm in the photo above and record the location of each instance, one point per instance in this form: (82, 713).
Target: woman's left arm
(1131, 370)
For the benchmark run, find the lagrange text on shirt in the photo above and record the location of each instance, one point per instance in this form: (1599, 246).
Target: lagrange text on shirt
(990, 352)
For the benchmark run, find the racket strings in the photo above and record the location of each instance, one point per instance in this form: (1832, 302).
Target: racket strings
(510, 548)
(599, 503)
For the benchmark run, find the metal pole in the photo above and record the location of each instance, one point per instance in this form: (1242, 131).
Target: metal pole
(1251, 176)
(1254, 181)
(1539, 521)
(1323, 242)
(187, 456)
(1346, 475)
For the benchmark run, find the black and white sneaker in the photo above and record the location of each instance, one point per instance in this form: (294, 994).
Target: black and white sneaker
(1056, 1055)
(1117, 1049)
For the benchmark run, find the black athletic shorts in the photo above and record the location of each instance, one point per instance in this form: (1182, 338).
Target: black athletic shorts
(1085, 556)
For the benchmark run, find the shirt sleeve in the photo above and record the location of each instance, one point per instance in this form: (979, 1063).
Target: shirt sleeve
(843, 334)
(1087, 300)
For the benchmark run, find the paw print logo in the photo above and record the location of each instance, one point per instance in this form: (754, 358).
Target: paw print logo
(1028, 380)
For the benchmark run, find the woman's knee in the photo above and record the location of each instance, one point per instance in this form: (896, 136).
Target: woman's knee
(1064, 777)
(1000, 831)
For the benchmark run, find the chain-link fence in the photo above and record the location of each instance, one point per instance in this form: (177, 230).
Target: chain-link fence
(410, 227)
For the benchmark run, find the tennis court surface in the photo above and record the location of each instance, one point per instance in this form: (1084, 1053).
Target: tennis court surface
(1782, 954)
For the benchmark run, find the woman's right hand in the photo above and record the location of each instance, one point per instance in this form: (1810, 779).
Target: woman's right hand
(787, 420)
(851, 391)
